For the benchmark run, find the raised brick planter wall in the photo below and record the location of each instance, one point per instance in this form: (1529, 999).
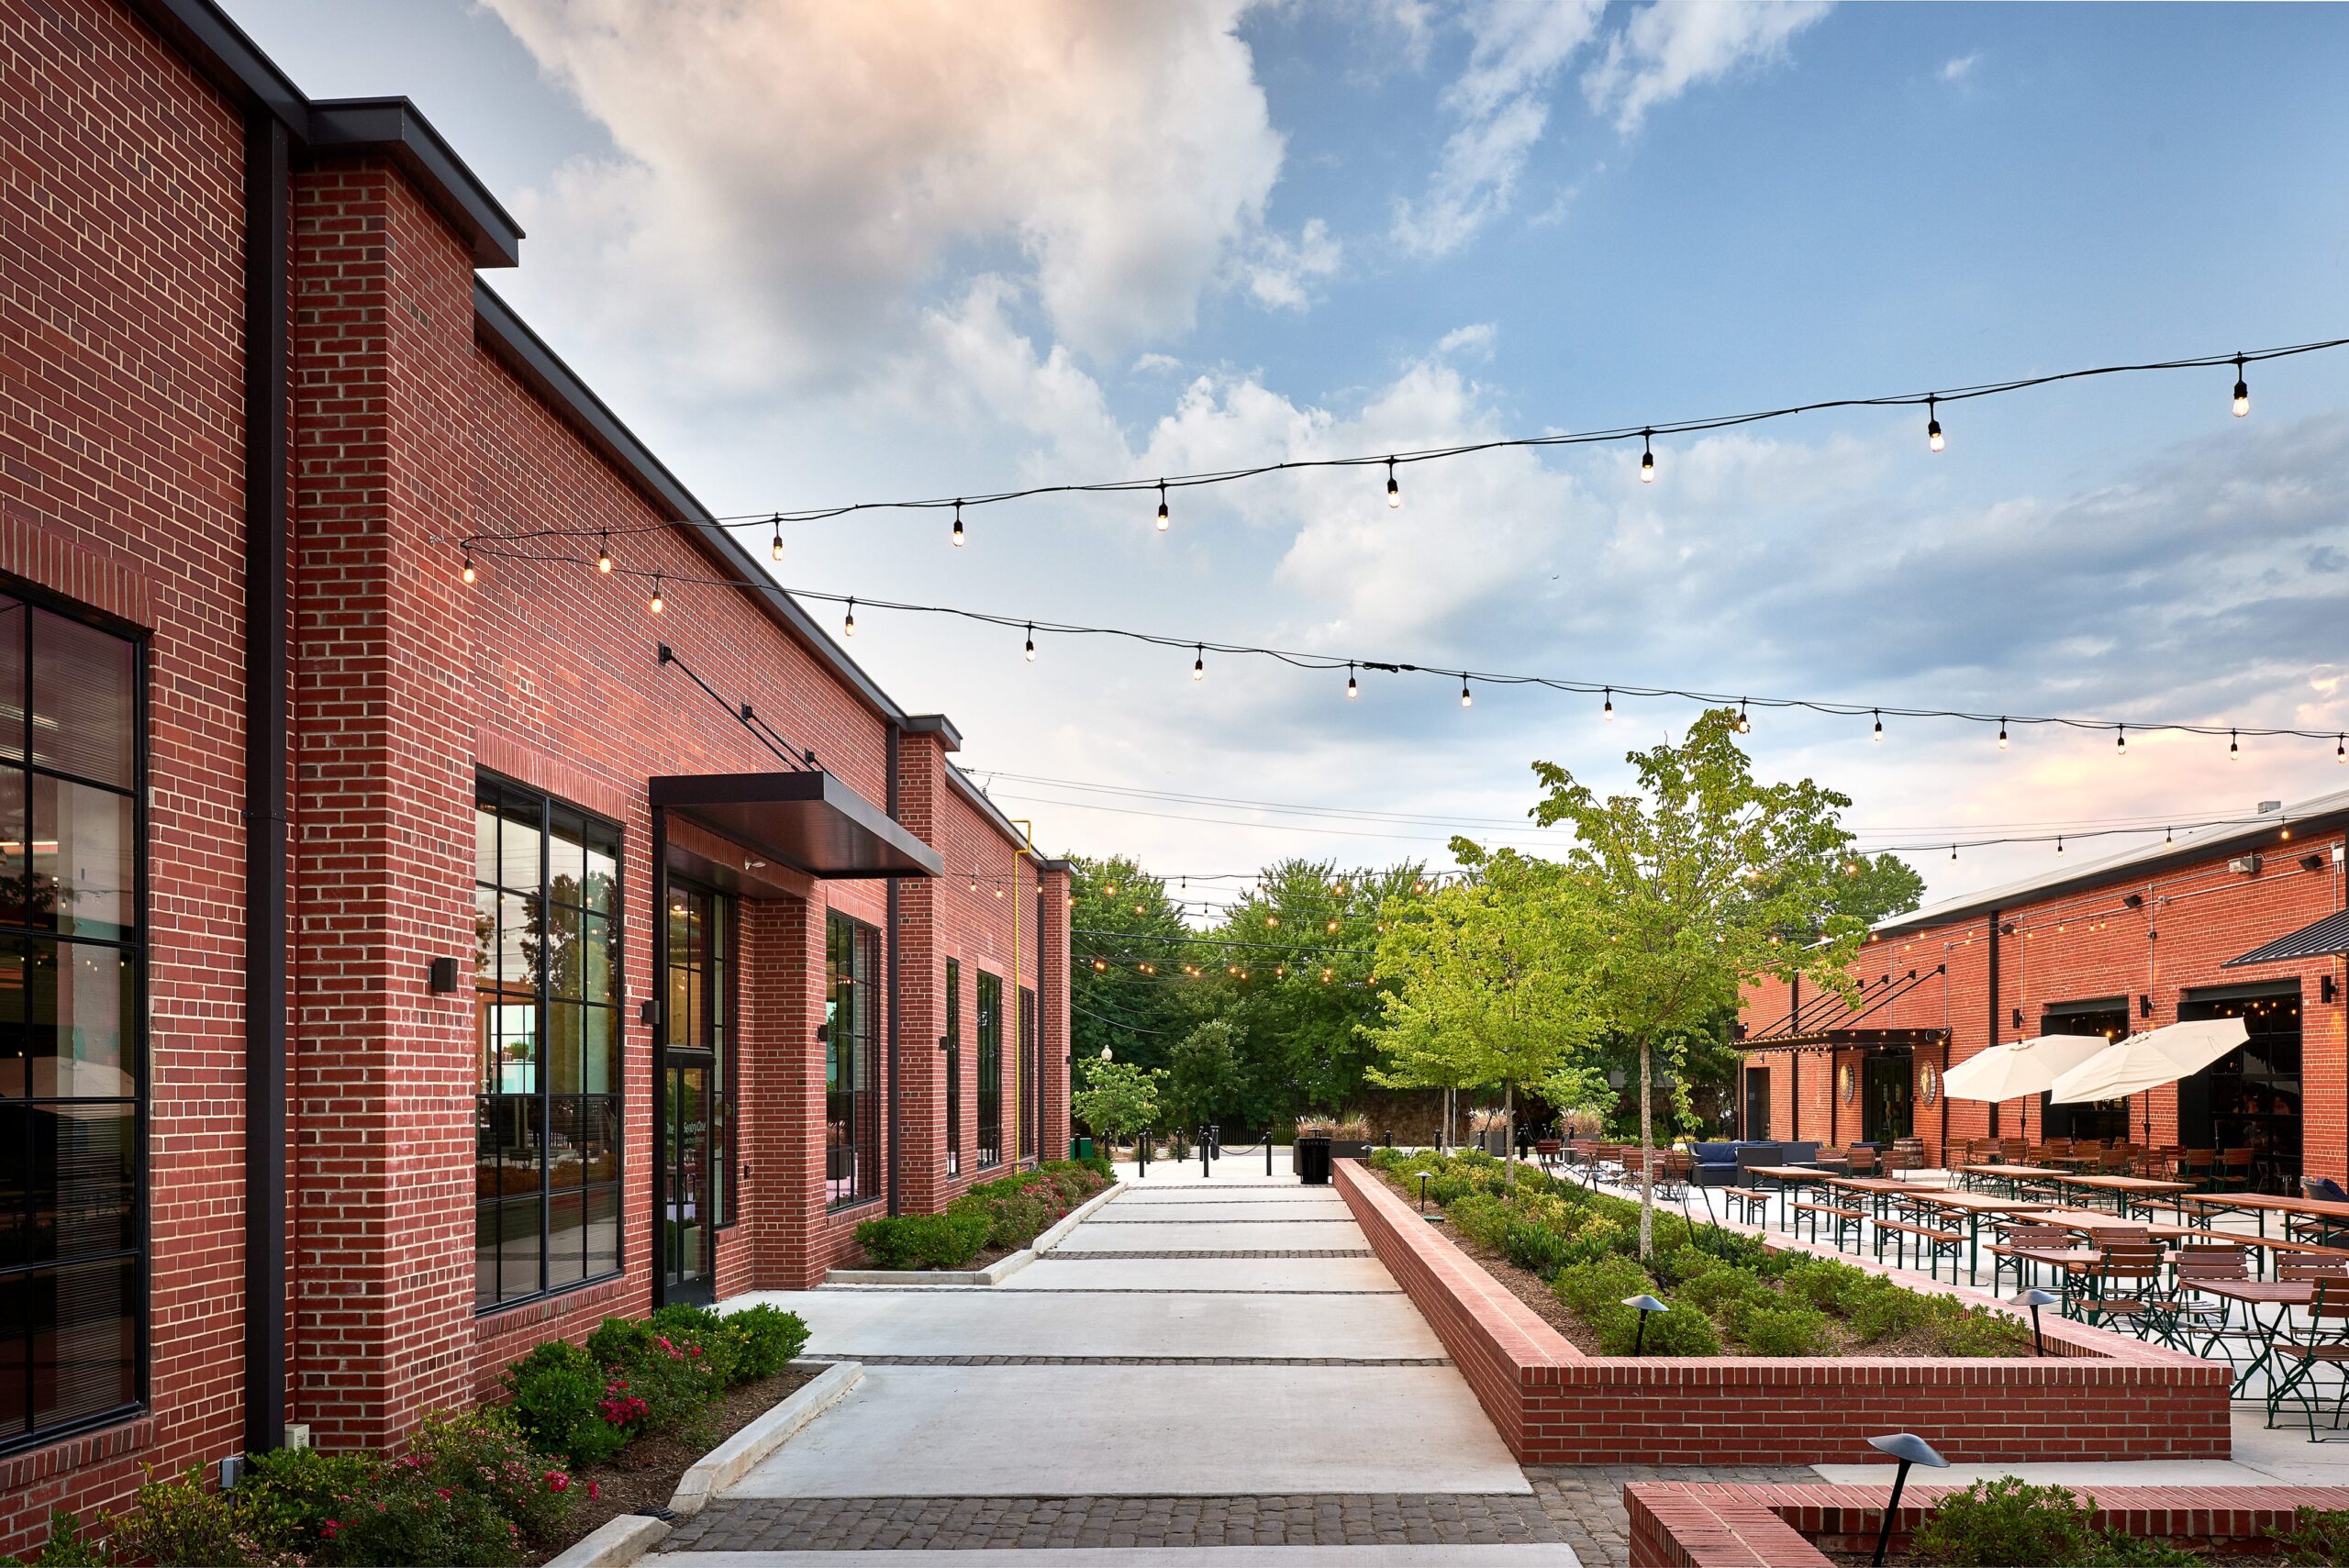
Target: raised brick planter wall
(1552, 1404)
(1678, 1525)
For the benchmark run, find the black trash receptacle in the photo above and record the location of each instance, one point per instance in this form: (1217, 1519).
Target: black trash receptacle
(1313, 1161)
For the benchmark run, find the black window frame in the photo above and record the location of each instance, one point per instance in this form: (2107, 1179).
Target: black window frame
(506, 791)
(1031, 1078)
(721, 1038)
(134, 950)
(950, 1042)
(860, 1043)
(990, 1071)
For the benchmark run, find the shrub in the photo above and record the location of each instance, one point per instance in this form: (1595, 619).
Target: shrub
(1681, 1332)
(290, 1493)
(484, 1452)
(1589, 1288)
(1831, 1286)
(771, 1338)
(1882, 1310)
(1479, 1217)
(619, 1342)
(1015, 1213)
(924, 1240)
(1775, 1328)
(1724, 1287)
(67, 1548)
(410, 1523)
(675, 1382)
(2316, 1536)
(2010, 1521)
(1533, 1246)
(1960, 1330)
(1601, 1237)
(1684, 1264)
(553, 1393)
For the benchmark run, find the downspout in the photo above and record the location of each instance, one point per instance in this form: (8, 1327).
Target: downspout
(896, 743)
(267, 164)
(1994, 1009)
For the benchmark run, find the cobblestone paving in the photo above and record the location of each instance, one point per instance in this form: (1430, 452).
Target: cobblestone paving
(881, 1524)
(1134, 1360)
(1585, 1502)
(1064, 1256)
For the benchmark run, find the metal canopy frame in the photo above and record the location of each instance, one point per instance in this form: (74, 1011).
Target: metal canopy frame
(810, 821)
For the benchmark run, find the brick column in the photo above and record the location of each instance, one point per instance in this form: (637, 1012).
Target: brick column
(1051, 1007)
(921, 975)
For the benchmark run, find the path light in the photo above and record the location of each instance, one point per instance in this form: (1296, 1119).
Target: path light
(2035, 1299)
(1646, 1303)
(1909, 1449)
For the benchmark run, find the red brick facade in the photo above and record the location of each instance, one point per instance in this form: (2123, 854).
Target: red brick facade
(1552, 1404)
(415, 420)
(2148, 935)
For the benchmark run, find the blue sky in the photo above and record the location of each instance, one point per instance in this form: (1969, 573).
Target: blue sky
(817, 253)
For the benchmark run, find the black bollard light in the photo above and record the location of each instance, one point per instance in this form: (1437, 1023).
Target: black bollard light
(1268, 1151)
(1423, 1191)
(1203, 1153)
(2035, 1299)
(1646, 1303)
(1909, 1449)
(1142, 1155)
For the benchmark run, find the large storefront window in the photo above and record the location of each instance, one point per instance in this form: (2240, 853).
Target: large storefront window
(72, 971)
(952, 1044)
(2249, 1098)
(990, 1069)
(547, 995)
(2109, 1120)
(852, 1109)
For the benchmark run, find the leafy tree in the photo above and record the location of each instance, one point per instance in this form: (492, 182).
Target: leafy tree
(1485, 976)
(1205, 1077)
(1691, 885)
(1124, 1004)
(1119, 1098)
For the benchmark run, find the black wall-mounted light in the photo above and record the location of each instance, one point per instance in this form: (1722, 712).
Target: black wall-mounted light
(648, 1014)
(2311, 862)
(2327, 988)
(2134, 900)
(441, 976)
(2018, 1018)
(2006, 927)
(2144, 1006)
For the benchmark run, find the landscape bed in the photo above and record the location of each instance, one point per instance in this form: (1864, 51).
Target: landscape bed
(2093, 1395)
(987, 1224)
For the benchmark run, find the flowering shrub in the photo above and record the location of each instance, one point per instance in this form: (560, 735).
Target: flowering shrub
(559, 1397)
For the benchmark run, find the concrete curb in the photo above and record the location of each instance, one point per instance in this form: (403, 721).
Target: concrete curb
(994, 1274)
(728, 1462)
(615, 1543)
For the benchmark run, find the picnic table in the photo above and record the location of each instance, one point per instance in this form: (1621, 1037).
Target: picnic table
(2210, 1205)
(1876, 1189)
(1788, 1178)
(2014, 1175)
(2124, 1188)
(2282, 1295)
(1974, 1206)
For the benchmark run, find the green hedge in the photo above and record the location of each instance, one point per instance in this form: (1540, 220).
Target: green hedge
(1006, 1214)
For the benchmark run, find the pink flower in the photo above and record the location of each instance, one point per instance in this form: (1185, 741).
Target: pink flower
(442, 1493)
(558, 1482)
(593, 1492)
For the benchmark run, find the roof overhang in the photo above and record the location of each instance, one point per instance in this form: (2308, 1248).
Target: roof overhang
(1846, 1039)
(2327, 938)
(810, 822)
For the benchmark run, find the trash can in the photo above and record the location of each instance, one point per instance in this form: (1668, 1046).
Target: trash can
(1080, 1149)
(1313, 1161)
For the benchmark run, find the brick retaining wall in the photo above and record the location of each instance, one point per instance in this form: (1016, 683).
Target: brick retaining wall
(2102, 1396)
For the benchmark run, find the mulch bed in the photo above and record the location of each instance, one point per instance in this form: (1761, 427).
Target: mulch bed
(645, 1473)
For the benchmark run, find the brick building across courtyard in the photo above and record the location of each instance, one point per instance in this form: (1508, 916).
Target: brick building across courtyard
(2129, 941)
(398, 970)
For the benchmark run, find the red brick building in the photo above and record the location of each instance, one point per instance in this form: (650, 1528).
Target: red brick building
(398, 970)
(2132, 941)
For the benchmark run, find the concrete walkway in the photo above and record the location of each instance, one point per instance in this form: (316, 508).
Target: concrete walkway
(1217, 1365)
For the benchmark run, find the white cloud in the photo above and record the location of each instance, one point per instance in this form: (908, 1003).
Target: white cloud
(1961, 68)
(813, 169)
(1669, 48)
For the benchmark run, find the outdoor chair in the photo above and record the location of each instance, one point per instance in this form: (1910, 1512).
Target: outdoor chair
(1751, 1155)
(2323, 1344)
(2208, 1317)
(1671, 1174)
(1863, 1160)
(2016, 1250)
(2125, 1288)
(2232, 1174)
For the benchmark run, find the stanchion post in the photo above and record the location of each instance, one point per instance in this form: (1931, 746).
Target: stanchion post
(1141, 1156)
(1268, 1151)
(1204, 1171)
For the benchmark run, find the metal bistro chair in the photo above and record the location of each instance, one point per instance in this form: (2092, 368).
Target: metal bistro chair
(2324, 1344)
(2125, 1287)
(2021, 1238)
(2209, 1318)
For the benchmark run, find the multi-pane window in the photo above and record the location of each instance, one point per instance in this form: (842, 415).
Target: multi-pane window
(72, 1263)
(1032, 1097)
(952, 1045)
(851, 1109)
(990, 1069)
(547, 994)
(699, 1020)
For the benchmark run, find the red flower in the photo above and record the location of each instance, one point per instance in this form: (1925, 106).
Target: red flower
(558, 1482)
(593, 1491)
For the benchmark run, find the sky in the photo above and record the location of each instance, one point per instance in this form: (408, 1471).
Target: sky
(817, 253)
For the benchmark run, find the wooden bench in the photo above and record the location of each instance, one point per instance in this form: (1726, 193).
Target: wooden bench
(1931, 1241)
(1749, 1206)
(1850, 1220)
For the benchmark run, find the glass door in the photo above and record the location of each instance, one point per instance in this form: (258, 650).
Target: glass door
(1887, 1081)
(686, 1208)
(691, 1168)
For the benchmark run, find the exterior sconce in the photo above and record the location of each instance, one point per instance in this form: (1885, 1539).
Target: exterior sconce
(441, 976)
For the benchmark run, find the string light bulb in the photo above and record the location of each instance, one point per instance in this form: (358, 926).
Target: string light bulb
(2120, 739)
(2242, 390)
(1163, 518)
(469, 574)
(1607, 712)
(2002, 735)
(1200, 662)
(774, 548)
(2059, 843)
(848, 626)
(958, 525)
(603, 554)
(1744, 725)
(1031, 643)
(2340, 749)
(1647, 457)
(1953, 854)
(656, 604)
(1932, 425)
(1878, 736)
(1394, 488)
(1353, 687)
(2234, 748)
(1465, 700)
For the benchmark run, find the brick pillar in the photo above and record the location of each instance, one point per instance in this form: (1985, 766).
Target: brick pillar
(921, 978)
(383, 1072)
(1051, 1007)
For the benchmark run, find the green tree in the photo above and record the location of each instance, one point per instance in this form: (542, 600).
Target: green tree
(1119, 1098)
(1690, 885)
(1485, 980)
(1204, 1081)
(1125, 940)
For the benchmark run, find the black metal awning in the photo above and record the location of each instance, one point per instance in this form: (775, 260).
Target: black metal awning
(2321, 939)
(810, 822)
(1875, 1041)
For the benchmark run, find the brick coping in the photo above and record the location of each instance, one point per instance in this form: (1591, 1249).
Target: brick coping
(1744, 1525)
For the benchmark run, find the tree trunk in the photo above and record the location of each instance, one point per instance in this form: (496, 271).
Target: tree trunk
(1647, 1143)
(1508, 1141)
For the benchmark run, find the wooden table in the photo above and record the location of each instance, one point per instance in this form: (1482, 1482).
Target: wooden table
(2014, 1175)
(1788, 1178)
(2210, 1205)
(2123, 1188)
(2282, 1295)
(1974, 1206)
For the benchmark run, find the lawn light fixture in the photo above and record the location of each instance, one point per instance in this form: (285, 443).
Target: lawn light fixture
(1909, 1449)
(2035, 1299)
(1645, 1305)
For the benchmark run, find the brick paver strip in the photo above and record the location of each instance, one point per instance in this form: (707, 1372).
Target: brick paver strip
(1113, 1289)
(1063, 1256)
(1585, 1501)
(1132, 1361)
(882, 1524)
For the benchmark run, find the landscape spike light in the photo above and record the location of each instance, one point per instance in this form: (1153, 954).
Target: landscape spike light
(1643, 1304)
(2035, 1299)
(1909, 1449)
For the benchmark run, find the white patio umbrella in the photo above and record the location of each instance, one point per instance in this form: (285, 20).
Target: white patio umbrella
(2150, 1060)
(2020, 1067)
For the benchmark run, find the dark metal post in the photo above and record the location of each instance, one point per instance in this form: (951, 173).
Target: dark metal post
(1203, 1153)
(267, 163)
(1884, 1535)
(1268, 1151)
(892, 738)
(1141, 1156)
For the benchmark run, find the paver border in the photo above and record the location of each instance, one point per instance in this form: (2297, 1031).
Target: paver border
(731, 1459)
(994, 1274)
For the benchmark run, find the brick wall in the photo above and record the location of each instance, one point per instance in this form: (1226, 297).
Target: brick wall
(1552, 1404)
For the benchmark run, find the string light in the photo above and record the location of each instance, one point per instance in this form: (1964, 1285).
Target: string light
(1647, 457)
(2120, 741)
(1744, 725)
(1031, 643)
(1199, 663)
(2059, 843)
(1607, 712)
(656, 604)
(958, 525)
(2340, 749)
(1163, 518)
(1932, 425)
(604, 555)
(2002, 734)
(1878, 736)
(469, 574)
(774, 549)
(1465, 700)
(1353, 689)
(2234, 748)
(1393, 489)
(1953, 854)
(2242, 390)
(848, 626)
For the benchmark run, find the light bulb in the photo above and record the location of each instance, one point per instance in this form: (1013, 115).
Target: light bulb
(2242, 390)
(656, 604)
(1465, 700)
(775, 549)
(1932, 426)
(469, 574)
(1199, 665)
(1953, 854)
(1162, 505)
(848, 626)
(2234, 748)
(998, 892)
(958, 525)
(1647, 458)
(1878, 737)
(2059, 843)
(604, 555)
(1393, 489)
(1608, 713)
(2002, 735)
(1353, 691)
(1031, 643)
(2340, 749)
(1744, 725)
(2120, 739)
